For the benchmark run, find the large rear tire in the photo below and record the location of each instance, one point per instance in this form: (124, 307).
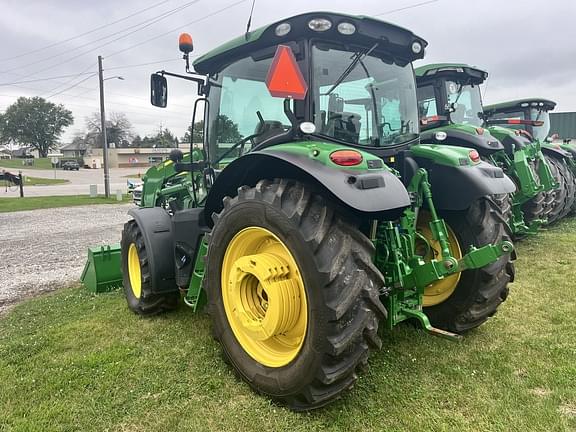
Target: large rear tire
(561, 197)
(137, 278)
(477, 293)
(539, 206)
(334, 301)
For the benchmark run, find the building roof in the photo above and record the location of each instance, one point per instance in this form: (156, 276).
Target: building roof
(563, 124)
(74, 147)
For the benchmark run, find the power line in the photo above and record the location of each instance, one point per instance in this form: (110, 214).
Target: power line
(70, 80)
(72, 86)
(144, 64)
(86, 33)
(178, 28)
(45, 79)
(407, 7)
(141, 26)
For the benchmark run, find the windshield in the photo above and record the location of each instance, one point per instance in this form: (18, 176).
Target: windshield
(427, 106)
(540, 132)
(466, 102)
(241, 107)
(362, 99)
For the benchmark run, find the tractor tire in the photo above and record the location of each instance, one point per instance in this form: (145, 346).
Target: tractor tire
(561, 198)
(136, 276)
(539, 206)
(479, 292)
(570, 189)
(504, 202)
(310, 363)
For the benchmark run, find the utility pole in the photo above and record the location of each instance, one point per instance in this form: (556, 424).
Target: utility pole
(103, 128)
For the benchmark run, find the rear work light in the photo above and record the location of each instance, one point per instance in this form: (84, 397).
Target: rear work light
(346, 157)
(474, 156)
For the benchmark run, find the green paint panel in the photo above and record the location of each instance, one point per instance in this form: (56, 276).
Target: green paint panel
(320, 151)
(443, 154)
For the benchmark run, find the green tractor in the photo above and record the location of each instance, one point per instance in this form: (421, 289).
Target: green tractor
(310, 215)
(531, 117)
(451, 111)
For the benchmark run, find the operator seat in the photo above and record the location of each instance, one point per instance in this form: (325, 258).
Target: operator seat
(267, 130)
(344, 126)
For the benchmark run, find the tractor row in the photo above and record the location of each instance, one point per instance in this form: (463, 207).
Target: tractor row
(336, 192)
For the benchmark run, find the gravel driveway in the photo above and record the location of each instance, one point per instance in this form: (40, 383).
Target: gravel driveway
(41, 250)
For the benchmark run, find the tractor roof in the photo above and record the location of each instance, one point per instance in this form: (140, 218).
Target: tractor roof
(450, 70)
(394, 39)
(519, 104)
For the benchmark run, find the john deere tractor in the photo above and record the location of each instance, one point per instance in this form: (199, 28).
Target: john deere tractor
(531, 117)
(451, 111)
(310, 215)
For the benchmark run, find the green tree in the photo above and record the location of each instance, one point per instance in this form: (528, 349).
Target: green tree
(226, 131)
(118, 129)
(35, 122)
(198, 133)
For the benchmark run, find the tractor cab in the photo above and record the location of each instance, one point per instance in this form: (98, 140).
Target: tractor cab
(530, 115)
(450, 107)
(321, 76)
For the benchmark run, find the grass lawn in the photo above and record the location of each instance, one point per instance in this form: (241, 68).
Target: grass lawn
(38, 181)
(40, 163)
(75, 361)
(32, 203)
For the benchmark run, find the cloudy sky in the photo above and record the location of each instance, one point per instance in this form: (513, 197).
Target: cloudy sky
(528, 46)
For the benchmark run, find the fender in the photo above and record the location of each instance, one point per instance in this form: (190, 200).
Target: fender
(456, 185)
(463, 136)
(373, 190)
(556, 151)
(156, 227)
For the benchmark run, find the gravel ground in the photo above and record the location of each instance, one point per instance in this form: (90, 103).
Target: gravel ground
(41, 250)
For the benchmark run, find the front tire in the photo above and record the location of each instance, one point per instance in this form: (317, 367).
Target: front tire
(137, 278)
(479, 292)
(329, 266)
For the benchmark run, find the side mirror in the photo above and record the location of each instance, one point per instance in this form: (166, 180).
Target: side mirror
(158, 90)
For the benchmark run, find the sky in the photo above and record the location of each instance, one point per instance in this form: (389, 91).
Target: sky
(527, 46)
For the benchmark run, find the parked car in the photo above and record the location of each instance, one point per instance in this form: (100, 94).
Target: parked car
(70, 165)
(135, 188)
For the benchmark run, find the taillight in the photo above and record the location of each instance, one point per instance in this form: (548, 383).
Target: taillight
(346, 157)
(480, 131)
(474, 156)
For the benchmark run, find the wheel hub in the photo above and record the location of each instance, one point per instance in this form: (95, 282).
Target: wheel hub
(267, 298)
(264, 297)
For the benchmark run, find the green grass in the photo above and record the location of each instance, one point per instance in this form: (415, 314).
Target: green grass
(32, 203)
(38, 181)
(40, 163)
(75, 361)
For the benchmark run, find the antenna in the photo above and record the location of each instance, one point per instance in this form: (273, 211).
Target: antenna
(249, 20)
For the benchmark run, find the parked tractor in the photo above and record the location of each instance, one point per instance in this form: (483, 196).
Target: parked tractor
(311, 215)
(531, 117)
(451, 111)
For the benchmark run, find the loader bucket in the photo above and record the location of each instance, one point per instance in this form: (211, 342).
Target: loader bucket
(103, 271)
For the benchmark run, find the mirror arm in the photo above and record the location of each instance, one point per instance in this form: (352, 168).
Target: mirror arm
(201, 80)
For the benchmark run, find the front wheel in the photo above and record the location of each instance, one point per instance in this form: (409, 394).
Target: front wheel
(137, 277)
(293, 293)
(466, 300)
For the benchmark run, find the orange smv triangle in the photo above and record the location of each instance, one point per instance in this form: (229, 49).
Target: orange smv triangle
(284, 77)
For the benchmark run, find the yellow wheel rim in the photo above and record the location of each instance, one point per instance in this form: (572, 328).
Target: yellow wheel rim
(134, 271)
(439, 291)
(264, 297)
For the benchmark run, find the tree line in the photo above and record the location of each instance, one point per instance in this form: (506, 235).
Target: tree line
(38, 124)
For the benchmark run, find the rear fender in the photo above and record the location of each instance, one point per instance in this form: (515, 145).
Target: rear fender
(376, 191)
(456, 181)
